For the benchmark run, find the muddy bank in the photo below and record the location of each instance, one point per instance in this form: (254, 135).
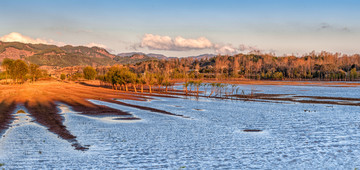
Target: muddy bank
(93, 109)
(6, 109)
(287, 83)
(330, 98)
(298, 99)
(252, 130)
(145, 108)
(131, 93)
(48, 115)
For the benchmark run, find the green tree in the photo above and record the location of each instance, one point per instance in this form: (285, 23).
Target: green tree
(150, 80)
(278, 75)
(116, 76)
(134, 80)
(6, 64)
(142, 82)
(167, 83)
(18, 70)
(76, 76)
(35, 72)
(62, 76)
(89, 73)
(159, 80)
(353, 74)
(186, 85)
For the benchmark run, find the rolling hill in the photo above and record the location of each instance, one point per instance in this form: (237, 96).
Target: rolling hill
(51, 55)
(67, 56)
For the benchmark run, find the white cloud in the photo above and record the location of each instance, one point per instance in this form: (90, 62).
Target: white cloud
(225, 49)
(17, 37)
(99, 45)
(158, 42)
(199, 43)
(229, 49)
(96, 45)
(50, 41)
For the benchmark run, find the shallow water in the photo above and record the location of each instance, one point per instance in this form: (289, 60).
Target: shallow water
(293, 135)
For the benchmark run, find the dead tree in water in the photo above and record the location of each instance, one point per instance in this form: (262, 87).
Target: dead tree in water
(185, 85)
(197, 85)
(213, 85)
(205, 88)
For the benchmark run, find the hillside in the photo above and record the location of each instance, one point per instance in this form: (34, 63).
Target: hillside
(133, 58)
(66, 56)
(51, 55)
(152, 55)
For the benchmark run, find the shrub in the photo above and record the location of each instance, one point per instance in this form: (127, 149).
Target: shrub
(89, 73)
(62, 76)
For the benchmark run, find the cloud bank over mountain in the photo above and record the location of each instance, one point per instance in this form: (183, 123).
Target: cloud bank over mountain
(96, 45)
(179, 43)
(17, 37)
(150, 42)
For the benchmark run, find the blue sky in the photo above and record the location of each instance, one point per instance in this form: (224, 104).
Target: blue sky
(183, 28)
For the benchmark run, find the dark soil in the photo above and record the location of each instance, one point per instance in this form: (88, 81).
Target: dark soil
(93, 109)
(252, 130)
(6, 109)
(47, 115)
(145, 108)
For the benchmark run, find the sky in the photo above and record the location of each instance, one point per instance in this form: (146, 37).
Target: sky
(187, 27)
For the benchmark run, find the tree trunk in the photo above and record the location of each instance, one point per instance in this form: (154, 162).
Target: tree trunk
(134, 88)
(126, 88)
(150, 88)
(142, 88)
(6, 75)
(212, 91)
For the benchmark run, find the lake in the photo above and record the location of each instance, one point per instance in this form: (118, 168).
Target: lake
(218, 134)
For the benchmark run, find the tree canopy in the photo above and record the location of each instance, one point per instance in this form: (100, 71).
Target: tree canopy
(89, 73)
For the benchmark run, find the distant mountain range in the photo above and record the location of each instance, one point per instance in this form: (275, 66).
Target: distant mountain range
(203, 56)
(51, 55)
(158, 56)
(161, 56)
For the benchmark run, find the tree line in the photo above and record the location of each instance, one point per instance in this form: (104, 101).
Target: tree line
(19, 71)
(123, 78)
(312, 66)
(163, 73)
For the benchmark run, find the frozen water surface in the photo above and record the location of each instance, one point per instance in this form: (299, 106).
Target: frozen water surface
(292, 135)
